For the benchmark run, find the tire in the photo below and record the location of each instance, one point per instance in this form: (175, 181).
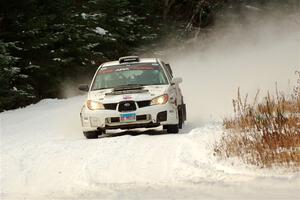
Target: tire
(172, 128)
(91, 134)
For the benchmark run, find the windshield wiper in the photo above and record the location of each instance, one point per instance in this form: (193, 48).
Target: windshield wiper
(129, 85)
(102, 88)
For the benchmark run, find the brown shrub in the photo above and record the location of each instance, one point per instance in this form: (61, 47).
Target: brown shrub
(265, 133)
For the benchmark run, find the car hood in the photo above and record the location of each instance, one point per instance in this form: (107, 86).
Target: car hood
(145, 93)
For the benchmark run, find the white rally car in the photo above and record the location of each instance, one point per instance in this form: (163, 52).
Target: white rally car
(132, 93)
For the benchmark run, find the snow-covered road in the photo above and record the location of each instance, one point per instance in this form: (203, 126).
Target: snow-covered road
(45, 156)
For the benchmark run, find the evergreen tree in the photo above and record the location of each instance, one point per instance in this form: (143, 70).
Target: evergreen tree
(15, 90)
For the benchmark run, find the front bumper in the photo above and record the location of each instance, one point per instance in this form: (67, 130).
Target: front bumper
(146, 117)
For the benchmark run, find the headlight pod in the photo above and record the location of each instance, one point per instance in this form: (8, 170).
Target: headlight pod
(94, 105)
(160, 100)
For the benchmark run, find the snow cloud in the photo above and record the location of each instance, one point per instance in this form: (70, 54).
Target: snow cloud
(251, 56)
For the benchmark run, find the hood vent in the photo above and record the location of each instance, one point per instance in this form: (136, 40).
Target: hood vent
(126, 92)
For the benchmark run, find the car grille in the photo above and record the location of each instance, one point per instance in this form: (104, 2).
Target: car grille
(110, 106)
(141, 117)
(138, 118)
(126, 106)
(142, 104)
(115, 119)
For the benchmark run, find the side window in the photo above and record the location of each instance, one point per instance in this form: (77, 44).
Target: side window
(169, 69)
(169, 74)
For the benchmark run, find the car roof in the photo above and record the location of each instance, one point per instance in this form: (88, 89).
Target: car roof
(141, 60)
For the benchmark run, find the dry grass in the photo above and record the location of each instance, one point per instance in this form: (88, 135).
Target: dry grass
(264, 134)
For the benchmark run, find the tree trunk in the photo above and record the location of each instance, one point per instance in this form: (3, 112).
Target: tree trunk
(167, 7)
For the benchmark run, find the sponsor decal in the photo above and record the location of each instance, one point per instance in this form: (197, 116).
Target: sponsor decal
(127, 97)
(106, 71)
(127, 68)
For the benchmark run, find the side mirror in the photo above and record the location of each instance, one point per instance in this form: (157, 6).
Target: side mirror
(176, 80)
(84, 87)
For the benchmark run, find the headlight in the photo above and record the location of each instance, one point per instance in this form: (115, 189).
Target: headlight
(163, 99)
(94, 105)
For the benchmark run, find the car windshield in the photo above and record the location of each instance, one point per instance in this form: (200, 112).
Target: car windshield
(129, 74)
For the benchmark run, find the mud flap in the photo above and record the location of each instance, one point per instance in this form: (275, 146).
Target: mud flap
(182, 110)
(183, 107)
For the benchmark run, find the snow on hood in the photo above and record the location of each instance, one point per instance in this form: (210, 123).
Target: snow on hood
(151, 92)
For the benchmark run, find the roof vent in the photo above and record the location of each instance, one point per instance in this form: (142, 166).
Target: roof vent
(129, 59)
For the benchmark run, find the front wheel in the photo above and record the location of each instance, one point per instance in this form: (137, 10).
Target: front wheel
(174, 128)
(91, 134)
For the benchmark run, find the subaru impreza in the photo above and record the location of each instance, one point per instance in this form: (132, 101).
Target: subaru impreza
(130, 93)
